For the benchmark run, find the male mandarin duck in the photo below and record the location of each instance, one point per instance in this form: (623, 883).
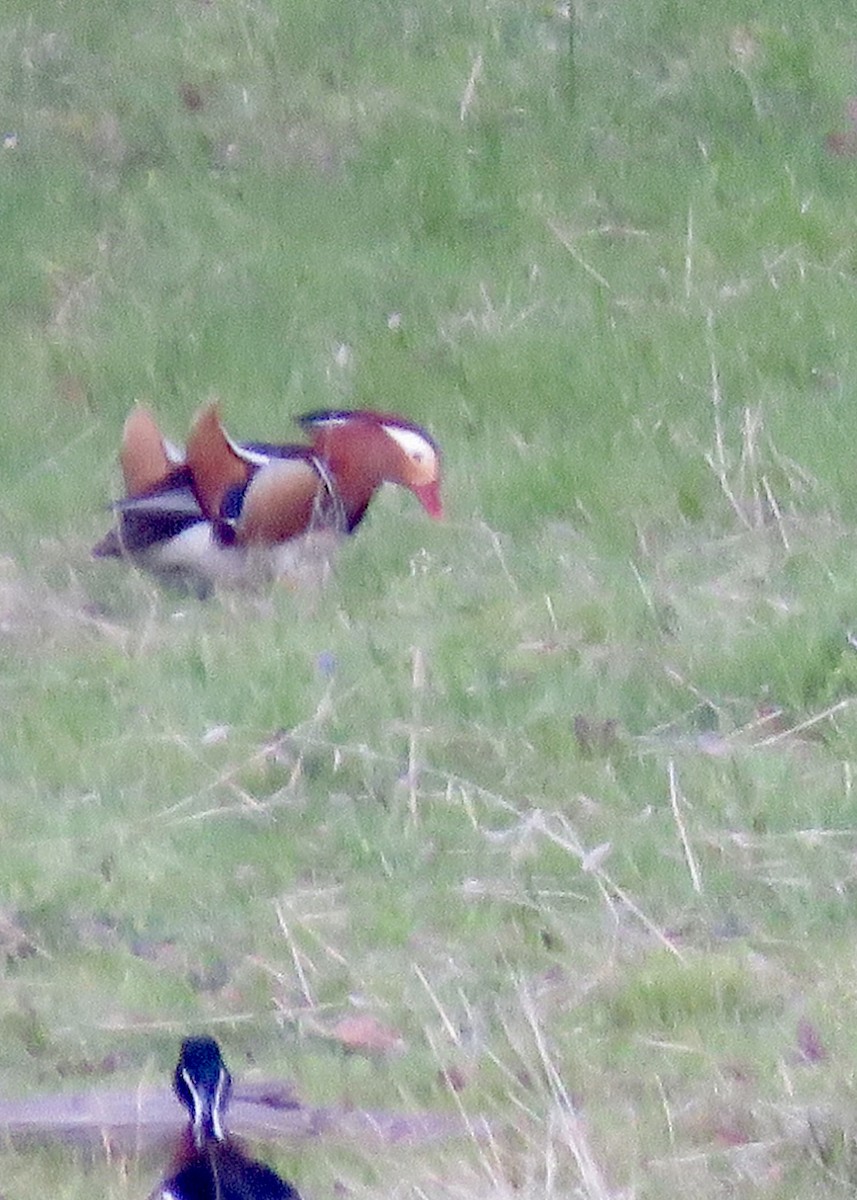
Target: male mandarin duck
(232, 512)
(209, 1164)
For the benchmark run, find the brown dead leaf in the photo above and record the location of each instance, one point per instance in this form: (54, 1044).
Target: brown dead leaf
(810, 1047)
(732, 1133)
(841, 145)
(362, 1033)
(456, 1078)
(770, 720)
(720, 1124)
(596, 739)
(191, 97)
(844, 145)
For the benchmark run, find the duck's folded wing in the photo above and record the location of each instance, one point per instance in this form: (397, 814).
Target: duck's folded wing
(290, 495)
(147, 521)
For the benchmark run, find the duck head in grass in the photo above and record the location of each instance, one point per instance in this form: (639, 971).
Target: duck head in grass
(209, 1164)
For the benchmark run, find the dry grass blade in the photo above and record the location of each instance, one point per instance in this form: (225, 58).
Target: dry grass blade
(567, 1127)
(675, 802)
(609, 888)
(469, 94)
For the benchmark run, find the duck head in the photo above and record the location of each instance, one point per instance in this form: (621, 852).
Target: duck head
(203, 1084)
(365, 449)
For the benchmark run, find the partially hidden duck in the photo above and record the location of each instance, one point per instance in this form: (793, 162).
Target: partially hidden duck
(239, 513)
(209, 1164)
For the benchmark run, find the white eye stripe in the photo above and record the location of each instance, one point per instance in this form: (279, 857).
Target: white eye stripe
(197, 1102)
(217, 1107)
(412, 443)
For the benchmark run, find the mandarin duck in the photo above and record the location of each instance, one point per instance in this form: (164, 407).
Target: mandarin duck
(239, 512)
(209, 1165)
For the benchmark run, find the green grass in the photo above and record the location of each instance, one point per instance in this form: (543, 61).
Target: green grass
(560, 790)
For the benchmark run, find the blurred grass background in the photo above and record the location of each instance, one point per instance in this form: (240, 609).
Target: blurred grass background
(560, 791)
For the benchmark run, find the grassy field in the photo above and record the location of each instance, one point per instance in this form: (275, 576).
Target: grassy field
(558, 793)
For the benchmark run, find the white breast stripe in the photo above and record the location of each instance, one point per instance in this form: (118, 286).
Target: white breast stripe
(328, 511)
